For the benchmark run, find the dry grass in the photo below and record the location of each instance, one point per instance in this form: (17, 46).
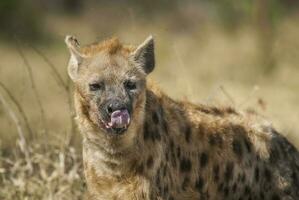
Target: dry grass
(50, 173)
(204, 64)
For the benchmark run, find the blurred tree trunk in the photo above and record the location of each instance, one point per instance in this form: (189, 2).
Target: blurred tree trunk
(265, 34)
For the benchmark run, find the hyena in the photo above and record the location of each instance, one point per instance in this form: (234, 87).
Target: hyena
(140, 144)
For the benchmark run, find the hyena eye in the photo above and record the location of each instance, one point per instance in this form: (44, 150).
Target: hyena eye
(130, 85)
(96, 86)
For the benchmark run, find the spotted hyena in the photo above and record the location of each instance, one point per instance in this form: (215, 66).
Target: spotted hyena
(138, 143)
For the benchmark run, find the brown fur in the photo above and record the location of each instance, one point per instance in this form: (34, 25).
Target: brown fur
(112, 46)
(178, 150)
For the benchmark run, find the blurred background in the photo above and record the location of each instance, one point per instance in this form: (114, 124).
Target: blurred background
(220, 52)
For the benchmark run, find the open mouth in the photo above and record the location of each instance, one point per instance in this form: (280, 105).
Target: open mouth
(119, 121)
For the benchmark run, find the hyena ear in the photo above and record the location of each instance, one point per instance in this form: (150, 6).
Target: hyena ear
(76, 57)
(145, 55)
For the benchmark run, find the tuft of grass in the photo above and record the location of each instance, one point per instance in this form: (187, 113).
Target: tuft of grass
(55, 173)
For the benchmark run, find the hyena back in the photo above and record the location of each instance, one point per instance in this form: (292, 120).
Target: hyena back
(139, 144)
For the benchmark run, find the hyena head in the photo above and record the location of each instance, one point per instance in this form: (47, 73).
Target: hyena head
(110, 85)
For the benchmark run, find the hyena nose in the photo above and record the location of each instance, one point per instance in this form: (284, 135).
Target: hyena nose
(113, 106)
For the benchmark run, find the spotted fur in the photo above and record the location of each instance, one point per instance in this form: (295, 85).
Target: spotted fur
(175, 150)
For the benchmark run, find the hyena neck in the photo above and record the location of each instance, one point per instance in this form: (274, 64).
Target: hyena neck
(109, 162)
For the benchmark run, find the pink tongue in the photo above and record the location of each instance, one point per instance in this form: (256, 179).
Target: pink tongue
(120, 119)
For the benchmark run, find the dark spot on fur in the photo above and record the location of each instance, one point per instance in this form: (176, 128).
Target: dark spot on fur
(178, 152)
(228, 174)
(216, 173)
(143, 195)
(239, 177)
(234, 187)
(249, 163)
(158, 180)
(275, 197)
(256, 174)
(159, 189)
(111, 165)
(226, 191)
(262, 196)
(171, 145)
(150, 162)
(258, 158)
(204, 158)
(165, 127)
(220, 187)
(161, 111)
(170, 198)
(207, 195)
(140, 169)
(291, 149)
(237, 148)
(185, 183)
(239, 129)
(185, 165)
(295, 179)
(204, 110)
(283, 146)
(294, 176)
(146, 133)
(216, 111)
(155, 118)
(243, 178)
(152, 196)
(230, 110)
(287, 191)
(166, 155)
(154, 133)
(164, 170)
(188, 133)
(274, 154)
(173, 161)
(172, 153)
(267, 175)
(157, 135)
(247, 145)
(215, 140)
(212, 140)
(153, 136)
(247, 190)
(165, 191)
(199, 184)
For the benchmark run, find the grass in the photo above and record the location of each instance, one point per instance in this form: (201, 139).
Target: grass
(204, 64)
(48, 173)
